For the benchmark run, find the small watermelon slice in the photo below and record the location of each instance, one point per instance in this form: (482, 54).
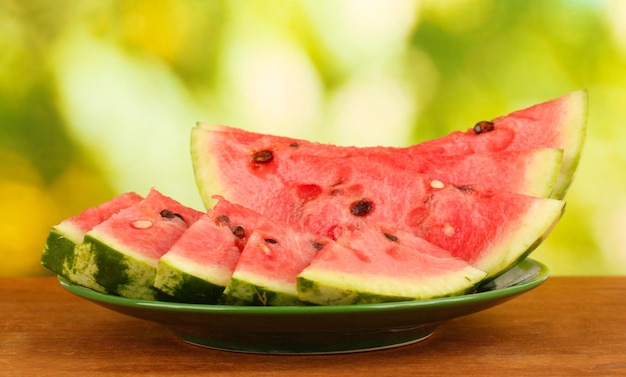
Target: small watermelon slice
(267, 270)
(273, 255)
(370, 265)
(58, 253)
(489, 229)
(557, 124)
(121, 254)
(199, 265)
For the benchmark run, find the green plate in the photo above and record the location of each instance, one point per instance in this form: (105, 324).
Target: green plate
(318, 329)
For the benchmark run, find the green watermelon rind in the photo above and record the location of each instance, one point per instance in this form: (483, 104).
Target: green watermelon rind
(58, 253)
(111, 270)
(324, 287)
(242, 287)
(184, 281)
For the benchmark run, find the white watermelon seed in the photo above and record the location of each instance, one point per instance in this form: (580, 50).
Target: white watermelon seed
(436, 184)
(448, 230)
(141, 224)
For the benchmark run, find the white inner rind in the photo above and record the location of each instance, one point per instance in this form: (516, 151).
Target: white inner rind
(332, 287)
(265, 282)
(205, 170)
(213, 274)
(542, 173)
(573, 136)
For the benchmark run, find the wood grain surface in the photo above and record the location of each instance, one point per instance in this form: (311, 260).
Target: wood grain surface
(569, 326)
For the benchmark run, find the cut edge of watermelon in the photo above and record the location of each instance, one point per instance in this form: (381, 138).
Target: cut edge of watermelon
(575, 134)
(571, 119)
(204, 171)
(523, 236)
(542, 173)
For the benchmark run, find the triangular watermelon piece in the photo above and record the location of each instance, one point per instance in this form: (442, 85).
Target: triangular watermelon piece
(197, 268)
(58, 253)
(121, 254)
(370, 265)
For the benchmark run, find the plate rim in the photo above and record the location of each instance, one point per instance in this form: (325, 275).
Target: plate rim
(167, 306)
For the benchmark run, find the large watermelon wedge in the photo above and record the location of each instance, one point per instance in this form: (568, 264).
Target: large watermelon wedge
(472, 213)
(120, 255)
(557, 124)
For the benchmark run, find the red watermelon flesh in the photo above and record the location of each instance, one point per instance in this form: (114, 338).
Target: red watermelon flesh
(273, 254)
(93, 216)
(370, 265)
(222, 158)
(478, 225)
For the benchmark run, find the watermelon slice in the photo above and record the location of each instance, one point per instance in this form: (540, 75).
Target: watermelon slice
(557, 124)
(273, 255)
(489, 229)
(121, 254)
(199, 265)
(58, 253)
(371, 265)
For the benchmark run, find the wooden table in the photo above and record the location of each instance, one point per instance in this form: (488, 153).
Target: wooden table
(569, 326)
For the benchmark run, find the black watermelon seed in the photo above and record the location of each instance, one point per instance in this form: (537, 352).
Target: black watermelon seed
(465, 188)
(222, 220)
(294, 145)
(167, 214)
(361, 208)
(391, 237)
(239, 231)
(263, 156)
(271, 240)
(318, 245)
(483, 126)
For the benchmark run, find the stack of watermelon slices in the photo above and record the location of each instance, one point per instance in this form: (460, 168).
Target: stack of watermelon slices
(292, 222)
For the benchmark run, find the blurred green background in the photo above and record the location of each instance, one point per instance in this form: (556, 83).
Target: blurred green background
(98, 97)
